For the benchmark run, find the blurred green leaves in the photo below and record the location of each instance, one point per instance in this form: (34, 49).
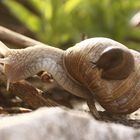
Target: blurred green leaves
(30, 20)
(63, 22)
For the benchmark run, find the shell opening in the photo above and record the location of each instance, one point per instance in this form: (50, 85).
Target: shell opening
(116, 63)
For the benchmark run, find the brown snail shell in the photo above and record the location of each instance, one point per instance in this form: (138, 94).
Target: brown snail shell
(109, 70)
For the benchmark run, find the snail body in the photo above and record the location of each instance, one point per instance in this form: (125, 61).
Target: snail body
(98, 68)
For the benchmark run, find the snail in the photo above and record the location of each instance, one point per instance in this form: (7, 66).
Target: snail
(96, 69)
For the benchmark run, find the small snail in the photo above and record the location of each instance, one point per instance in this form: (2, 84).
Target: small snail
(98, 69)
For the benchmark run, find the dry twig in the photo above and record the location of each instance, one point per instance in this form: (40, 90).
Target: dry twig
(30, 95)
(17, 39)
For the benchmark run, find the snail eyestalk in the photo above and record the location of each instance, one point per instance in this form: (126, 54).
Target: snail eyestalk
(5, 61)
(4, 50)
(8, 84)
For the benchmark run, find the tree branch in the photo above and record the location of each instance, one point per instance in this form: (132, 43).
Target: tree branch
(30, 95)
(17, 39)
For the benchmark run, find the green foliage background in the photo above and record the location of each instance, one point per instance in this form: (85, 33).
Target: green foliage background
(63, 22)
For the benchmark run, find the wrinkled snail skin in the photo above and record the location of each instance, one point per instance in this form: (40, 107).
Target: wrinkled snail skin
(23, 63)
(97, 67)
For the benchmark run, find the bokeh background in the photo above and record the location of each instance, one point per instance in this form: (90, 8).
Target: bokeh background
(62, 23)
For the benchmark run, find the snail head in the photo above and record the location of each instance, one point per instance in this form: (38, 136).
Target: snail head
(10, 64)
(115, 63)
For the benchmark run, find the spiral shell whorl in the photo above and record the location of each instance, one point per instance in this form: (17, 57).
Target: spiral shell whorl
(76, 59)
